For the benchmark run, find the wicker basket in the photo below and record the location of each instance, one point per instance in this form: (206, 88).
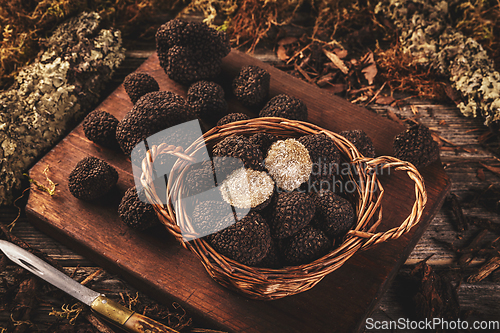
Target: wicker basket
(265, 283)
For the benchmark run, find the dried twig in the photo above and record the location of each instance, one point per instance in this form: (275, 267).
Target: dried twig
(485, 270)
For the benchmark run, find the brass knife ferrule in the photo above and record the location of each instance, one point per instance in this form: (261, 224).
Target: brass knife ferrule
(112, 310)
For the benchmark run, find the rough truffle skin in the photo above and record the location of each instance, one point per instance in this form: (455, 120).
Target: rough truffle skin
(285, 106)
(291, 212)
(200, 178)
(247, 241)
(325, 157)
(210, 217)
(91, 179)
(207, 100)
(306, 246)
(334, 214)
(361, 141)
(416, 146)
(190, 51)
(139, 84)
(251, 86)
(152, 113)
(232, 117)
(100, 127)
(263, 141)
(238, 146)
(135, 212)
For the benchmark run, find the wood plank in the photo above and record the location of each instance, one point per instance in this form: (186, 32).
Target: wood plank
(155, 263)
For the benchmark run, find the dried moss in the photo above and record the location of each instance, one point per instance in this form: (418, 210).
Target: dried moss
(53, 93)
(428, 35)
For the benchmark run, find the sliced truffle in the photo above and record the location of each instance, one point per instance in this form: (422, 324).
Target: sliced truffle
(207, 100)
(361, 141)
(325, 157)
(247, 241)
(291, 212)
(285, 106)
(238, 147)
(416, 146)
(247, 188)
(190, 51)
(100, 127)
(306, 246)
(289, 164)
(211, 216)
(263, 141)
(135, 211)
(232, 117)
(91, 178)
(334, 214)
(139, 84)
(251, 86)
(152, 113)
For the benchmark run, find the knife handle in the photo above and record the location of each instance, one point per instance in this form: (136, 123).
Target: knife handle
(126, 318)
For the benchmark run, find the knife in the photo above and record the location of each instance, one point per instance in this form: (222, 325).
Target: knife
(111, 310)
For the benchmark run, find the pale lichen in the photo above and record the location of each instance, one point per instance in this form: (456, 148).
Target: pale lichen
(53, 93)
(428, 35)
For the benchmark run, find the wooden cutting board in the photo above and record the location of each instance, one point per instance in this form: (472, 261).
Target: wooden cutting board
(156, 264)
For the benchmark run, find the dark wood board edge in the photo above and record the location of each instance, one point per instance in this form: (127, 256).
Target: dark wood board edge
(411, 239)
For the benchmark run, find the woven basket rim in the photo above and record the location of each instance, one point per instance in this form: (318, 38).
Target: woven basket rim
(269, 283)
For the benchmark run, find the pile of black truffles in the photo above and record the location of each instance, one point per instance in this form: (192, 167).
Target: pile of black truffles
(282, 226)
(260, 215)
(190, 51)
(91, 179)
(416, 146)
(139, 84)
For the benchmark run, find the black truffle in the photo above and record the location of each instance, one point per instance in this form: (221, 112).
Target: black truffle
(361, 141)
(291, 212)
(232, 117)
(285, 106)
(240, 147)
(139, 84)
(190, 51)
(135, 211)
(251, 86)
(247, 241)
(91, 178)
(416, 146)
(273, 257)
(207, 100)
(200, 178)
(100, 127)
(325, 157)
(306, 246)
(211, 216)
(334, 214)
(153, 112)
(263, 141)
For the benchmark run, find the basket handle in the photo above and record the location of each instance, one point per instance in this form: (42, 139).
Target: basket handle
(389, 162)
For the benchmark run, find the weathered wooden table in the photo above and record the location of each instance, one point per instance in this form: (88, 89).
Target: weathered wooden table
(480, 299)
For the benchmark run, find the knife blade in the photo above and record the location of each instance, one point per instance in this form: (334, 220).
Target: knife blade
(109, 309)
